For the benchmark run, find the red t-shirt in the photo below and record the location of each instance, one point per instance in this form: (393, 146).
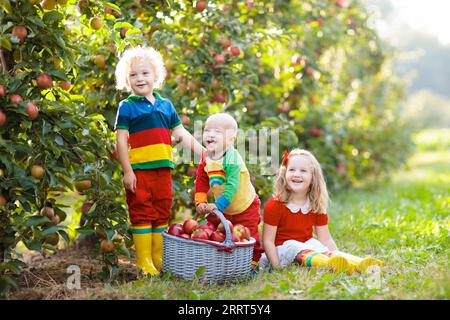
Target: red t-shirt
(291, 226)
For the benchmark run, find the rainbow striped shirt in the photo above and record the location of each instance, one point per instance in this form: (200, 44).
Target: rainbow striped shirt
(149, 128)
(229, 180)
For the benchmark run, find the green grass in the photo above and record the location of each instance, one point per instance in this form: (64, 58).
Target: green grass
(405, 223)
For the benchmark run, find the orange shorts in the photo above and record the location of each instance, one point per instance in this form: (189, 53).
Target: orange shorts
(151, 203)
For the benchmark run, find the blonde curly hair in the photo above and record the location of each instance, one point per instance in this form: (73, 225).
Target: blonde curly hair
(317, 194)
(139, 52)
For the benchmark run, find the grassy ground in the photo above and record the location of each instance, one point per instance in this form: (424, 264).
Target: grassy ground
(405, 223)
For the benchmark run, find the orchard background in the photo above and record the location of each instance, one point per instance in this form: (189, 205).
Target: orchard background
(314, 69)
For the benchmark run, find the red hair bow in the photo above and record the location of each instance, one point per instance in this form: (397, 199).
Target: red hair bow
(285, 158)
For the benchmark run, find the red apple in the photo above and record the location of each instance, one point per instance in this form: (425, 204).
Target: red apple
(200, 234)
(207, 230)
(176, 229)
(214, 219)
(247, 234)
(217, 236)
(65, 85)
(191, 171)
(221, 227)
(185, 119)
(2, 118)
(309, 70)
(2, 91)
(225, 42)
(20, 32)
(220, 59)
(341, 3)
(184, 235)
(284, 108)
(32, 111)
(15, 98)
(341, 168)
(316, 132)
(235, 51)
(44, 81)
(210, 226)
(235, 238)
(220, 97)
(201, 5)
(239, 230)
(189, 226)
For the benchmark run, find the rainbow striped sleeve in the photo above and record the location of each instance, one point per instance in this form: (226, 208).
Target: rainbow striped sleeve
(232, 170)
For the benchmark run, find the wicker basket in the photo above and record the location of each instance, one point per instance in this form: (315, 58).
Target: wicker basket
(224, 262)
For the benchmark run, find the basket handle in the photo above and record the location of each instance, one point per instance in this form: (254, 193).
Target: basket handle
(228, 242)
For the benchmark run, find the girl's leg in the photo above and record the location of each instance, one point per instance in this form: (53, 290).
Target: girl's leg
(310, 258)
(360, 264)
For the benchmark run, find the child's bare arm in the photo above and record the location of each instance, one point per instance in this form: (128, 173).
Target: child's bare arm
(269, 233)
(324, 236)
(188, 140)
(129, 178)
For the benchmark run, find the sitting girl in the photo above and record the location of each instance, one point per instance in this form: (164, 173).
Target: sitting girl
(298, 205)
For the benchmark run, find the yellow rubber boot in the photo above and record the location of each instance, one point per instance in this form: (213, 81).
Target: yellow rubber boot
(341, 264)
(360, 264)
(367, 262)
(142, 237)
(157, 246)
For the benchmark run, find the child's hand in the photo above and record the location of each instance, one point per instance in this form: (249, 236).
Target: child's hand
(202, 209)
(211, 207)
(129, 181)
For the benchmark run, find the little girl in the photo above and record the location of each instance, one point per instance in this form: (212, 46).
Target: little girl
(298, 205)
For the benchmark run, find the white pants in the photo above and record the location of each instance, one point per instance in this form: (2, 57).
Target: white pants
(289, 250)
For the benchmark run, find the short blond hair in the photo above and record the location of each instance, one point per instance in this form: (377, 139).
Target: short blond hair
(225, 119)
(317, 194)
(139, 52)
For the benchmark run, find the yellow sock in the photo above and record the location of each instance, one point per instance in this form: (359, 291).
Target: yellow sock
(142, 238)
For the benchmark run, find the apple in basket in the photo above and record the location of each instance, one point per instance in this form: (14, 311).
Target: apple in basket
(189, 226)
(235, 238)
(247, 234)
(239, 230)
(176, 229)
(210, 225)
(207, 230)
(200, 234)
(184, 235)
(213, 218)
(221, 227)
(217, 236)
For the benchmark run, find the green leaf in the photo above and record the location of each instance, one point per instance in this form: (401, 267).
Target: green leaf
(200, 271)
(33, 244)
(36, 220)
(5, 43)
(52, 17)
(59, 140)
(50, 230)
(6, 7)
